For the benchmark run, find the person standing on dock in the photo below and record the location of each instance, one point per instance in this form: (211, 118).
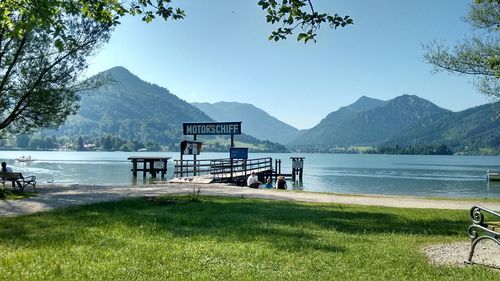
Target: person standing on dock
(252, 181)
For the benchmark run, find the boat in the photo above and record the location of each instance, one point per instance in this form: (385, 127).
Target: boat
(25, 159)
(493, 175)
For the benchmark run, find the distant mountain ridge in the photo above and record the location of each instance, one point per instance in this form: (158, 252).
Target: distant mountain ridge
(256, 122)
(319, 133)
(403, 121)
(477, 127)
(132, 109)
(383, 123)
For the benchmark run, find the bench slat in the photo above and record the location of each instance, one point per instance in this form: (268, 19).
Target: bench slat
(11, 176)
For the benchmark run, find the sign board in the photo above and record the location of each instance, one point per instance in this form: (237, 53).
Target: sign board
(190, 147)
(238, 152)
(219, 128)
(296, 164)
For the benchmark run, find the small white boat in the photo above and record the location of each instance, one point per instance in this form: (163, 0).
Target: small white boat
(25, 159)
(493, 176)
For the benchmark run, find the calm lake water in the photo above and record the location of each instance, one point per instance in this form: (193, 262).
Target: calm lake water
(421, 175)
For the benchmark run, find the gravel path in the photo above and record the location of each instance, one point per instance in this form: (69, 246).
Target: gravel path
(53, 196)
(487, 253)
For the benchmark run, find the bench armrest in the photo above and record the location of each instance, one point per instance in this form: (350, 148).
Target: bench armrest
(479, 230)
(29, 178)
(477, 216)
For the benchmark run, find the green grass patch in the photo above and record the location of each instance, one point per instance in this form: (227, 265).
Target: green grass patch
(362, 148)
(230, 239)
(14, 194)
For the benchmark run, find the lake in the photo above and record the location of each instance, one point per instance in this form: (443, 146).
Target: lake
(419, 175)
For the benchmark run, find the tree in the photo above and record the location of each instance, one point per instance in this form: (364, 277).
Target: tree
(80, 146)
(22, 141)
(36, 143)
(44, 47)
(107, 143)
(45, 44)
(479, 56)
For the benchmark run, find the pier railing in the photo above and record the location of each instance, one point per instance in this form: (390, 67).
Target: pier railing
(221, 169)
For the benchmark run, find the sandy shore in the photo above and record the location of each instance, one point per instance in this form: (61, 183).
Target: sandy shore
(53, 196)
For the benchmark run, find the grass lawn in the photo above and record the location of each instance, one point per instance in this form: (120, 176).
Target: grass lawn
(14, 194)
(230, 238)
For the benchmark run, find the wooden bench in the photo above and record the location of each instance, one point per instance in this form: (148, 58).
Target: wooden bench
(482, 228)
(22, 182)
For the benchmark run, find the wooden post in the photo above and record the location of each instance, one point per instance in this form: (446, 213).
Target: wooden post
(297, 167)
(194, 159)
(231, 169)
(271, 165)
(245, 168)
(276, 169)
(144, 166)
(164, 168)
(152, 168)
(134, 168)
(182, 163)
(301, 170)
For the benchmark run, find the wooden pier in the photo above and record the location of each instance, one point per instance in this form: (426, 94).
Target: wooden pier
(151, 164)
(228, 170)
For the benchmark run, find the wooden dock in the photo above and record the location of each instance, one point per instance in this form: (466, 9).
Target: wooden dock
(226, 170)
(150, 164)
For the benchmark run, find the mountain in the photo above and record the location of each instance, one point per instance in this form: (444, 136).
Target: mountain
(470, 129)
(335, 119)
(132, 109)
(256, 122)
(368, 122)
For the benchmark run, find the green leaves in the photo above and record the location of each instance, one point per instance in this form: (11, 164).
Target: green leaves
(479, 56)
(59, 45)
(306, 36)
(280, 34)
(44, 47)
(293, 14)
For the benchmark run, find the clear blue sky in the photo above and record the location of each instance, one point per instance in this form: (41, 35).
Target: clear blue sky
(220, 52)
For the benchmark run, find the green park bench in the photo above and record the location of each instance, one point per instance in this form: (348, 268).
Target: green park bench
(22, 182)
(483, 227)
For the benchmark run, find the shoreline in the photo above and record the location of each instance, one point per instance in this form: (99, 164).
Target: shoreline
(57, 196)
(170, 183)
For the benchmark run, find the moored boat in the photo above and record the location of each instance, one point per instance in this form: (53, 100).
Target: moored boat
(493, 175)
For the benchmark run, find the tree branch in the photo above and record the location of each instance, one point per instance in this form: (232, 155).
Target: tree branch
(23, 102)
(311, 5)
(14, 62)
